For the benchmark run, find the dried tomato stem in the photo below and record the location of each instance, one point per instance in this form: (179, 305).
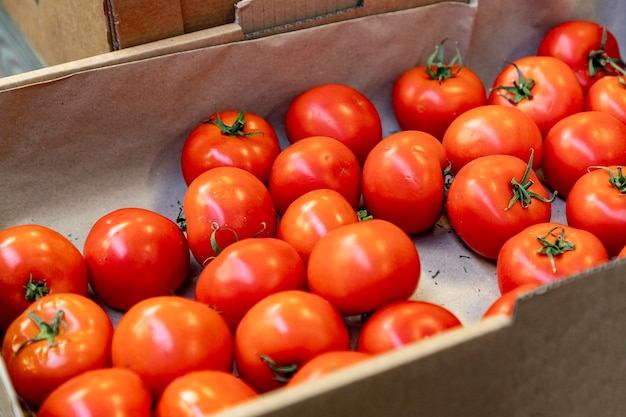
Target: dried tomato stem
(282, 373)
(556, 247)
(521, 190)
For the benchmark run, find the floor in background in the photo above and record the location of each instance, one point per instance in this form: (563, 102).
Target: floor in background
(16, 55)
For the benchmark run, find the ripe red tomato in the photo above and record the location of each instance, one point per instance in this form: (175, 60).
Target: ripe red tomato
(230, 138)
(403, 323)
(428, 97)
(578, 142)
(133, 254)
(543, 87)
(100, 393)
(56, 338)
(202, 393)
(161, 338)
(492, 129)
(223, 205)
(313, 163)
(505, 304)
(34, 261)
(336, 110)
(493, 198)
(403, 182)
(597, 204)
(325, 364)
(281, 333)
(247, 271)
(362, 266)
(546, 252)
(585, 46)
(608, 94)
(311, 216)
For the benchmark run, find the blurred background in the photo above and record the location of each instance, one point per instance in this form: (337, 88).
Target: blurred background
(16, 55)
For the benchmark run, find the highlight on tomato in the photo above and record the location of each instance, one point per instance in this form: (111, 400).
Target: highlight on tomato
(505, 303)
(325, 364)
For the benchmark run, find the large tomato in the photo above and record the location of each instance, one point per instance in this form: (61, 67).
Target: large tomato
(403, 323)
(104, 392)
(281, 333)
(34, 261)
(505, 303)
(362, 266)
(492, 129)
(578, 142)
(597, 203)
(493, 198)
(336, 110)
(403, 182)
(313, 163)
(133, 254)
(608, 95)
(546, 252)
(56, 338)
(543, 87)
(247, 271)
(230, 138)
(161, 338)
(585, 46)
(223, 205)
(325, 364)
(428, 97)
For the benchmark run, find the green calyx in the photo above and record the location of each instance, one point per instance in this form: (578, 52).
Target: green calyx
(555, 247)
(520, 90)
(236, 129)
(282, 373)
(521, 189)
(599, 60)
(616, 180)
(47, 331)
(35, 289)
(438, 69)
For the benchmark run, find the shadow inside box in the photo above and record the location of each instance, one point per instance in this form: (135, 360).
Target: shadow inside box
(16, 54)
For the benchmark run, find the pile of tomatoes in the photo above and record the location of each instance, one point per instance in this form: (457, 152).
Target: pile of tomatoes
(294, 243)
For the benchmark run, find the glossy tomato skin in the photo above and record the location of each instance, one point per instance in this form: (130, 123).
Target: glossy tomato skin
(252, 146)
(403, 182)
(578, 142)
(246, 272)
(100, 393)
(336, 110)
(556, 92)
(229, 204)
(81, 342)
(133, 254)
(38, 255)
(596, 205)
(313, 163)
(505, 304)
(523, 260)
(200, 393)
(326, 363)
(573, 41)
(622, 253)
(430, 105)
(287, 328)
(478, 201)
(607, 95)
(403, 323)
(311, 216)
(161, 338)
(361, 267)
(492, 129)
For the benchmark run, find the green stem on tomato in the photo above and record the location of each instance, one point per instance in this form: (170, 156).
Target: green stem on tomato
(521, 190)
(438, 69)
(618, 181)
(236, 129)
(556, 247)
(47, 331)
(35, 289)
(520, 90)
(599, 60)
(282, 373)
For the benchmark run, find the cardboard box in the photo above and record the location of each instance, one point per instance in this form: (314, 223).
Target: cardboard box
(96, 135)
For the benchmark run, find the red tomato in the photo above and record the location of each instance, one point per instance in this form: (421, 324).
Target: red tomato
(247, 271)
(338, 111)
(622, 253)
(162, 338)
(313, 163)
(133, 254)
(493, 198)
(597, 204)
(362, 266)
(403, 323)
(429, 97)
(578, 142)
(201, 393)
(56, 338)
(325, 364)
(230, 138)
(311, 216)
(100, 393)
(403, 182)
(585, 46)
(492, 129)
(543, 87)
(546, 252)
(608, 95)
(34, 261)
(281, 333)
(505, 304)
(223, 205)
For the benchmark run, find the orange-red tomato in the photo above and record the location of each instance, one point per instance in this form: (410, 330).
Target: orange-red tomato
(326, 363)
(505, 304)
(608, 95)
